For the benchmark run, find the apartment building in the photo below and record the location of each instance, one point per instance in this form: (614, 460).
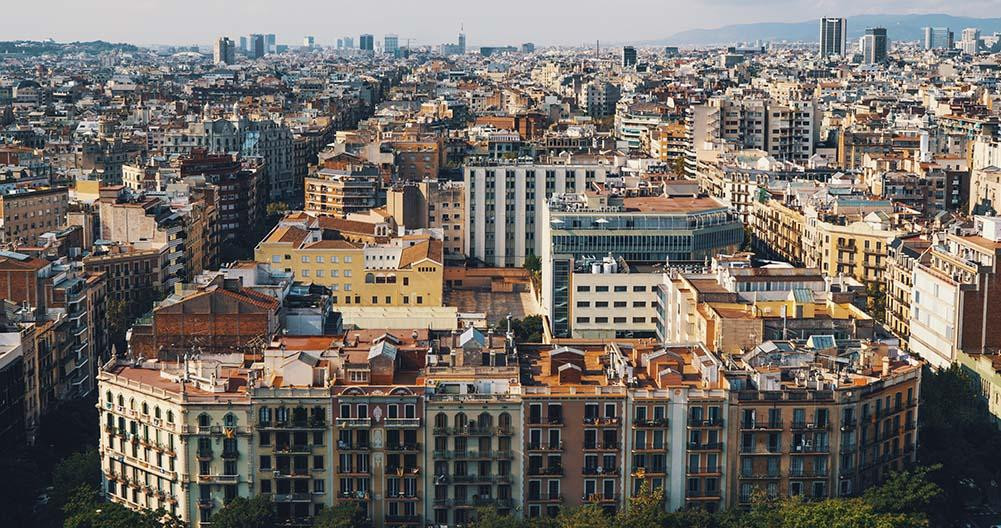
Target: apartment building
(434, 205)
(731, 307)
(903, 253)
(134, 274)
(801, 425)
(505, 202)
(342, 192)
(239, 186)
(613, 299)
(667, 143)
(29, 212)
(777, 230)
(642, 229)
(845, 244)
(399, 271)
(952, 299)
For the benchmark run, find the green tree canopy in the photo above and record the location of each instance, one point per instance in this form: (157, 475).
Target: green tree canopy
(257, 512)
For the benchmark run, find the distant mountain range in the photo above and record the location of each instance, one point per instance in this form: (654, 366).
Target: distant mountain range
(898, 27)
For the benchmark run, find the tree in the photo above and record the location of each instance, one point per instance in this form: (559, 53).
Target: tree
(19, 489)
(909, 493)
(587, 516)
(72, 472)
(527, 330)
(257, 512)
(491, 518)
(678, 166)
(342, 516)
(645, 508)
(84, 509)
(876, 301)
(533, 264)
(276, 209)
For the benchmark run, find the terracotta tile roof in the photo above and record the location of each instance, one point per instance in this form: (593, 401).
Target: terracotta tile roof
(253, 298)
(331, 244)
(287, 235)
(349, 226)
(430, 249)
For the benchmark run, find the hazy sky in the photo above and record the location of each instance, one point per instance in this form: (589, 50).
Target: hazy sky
(426, 21)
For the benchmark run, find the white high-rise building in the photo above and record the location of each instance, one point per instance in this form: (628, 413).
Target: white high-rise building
(505, 203)
(224, 51)
(833, 34)
(875, 45)
(970, 43)
(309, 41)
(938, 38)
(391, 44)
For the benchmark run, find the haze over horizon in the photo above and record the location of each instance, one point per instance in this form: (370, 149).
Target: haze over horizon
(545, 23)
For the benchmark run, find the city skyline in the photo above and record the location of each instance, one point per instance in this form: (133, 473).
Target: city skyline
(554, 23)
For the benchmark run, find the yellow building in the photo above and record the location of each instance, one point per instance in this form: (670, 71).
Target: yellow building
(402, 271)
(777, 230)
(856, 249)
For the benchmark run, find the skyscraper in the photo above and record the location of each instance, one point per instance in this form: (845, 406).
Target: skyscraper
(970, 43)
(309, 41)
(349, 42)
(256, 46)
(833, 33)
(243, 44)
(875, 45)
(938, 38)
(270, 43)
(224, 51)
(391, 44)
(628, 56)
(462, 43)
(366, 43)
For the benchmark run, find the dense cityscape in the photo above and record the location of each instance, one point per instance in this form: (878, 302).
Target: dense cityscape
(362, 281)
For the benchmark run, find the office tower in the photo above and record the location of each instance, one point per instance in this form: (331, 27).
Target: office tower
(833, 32)
(366, 43)
(628, 57)
(527, 47)
(270, 43)
(875, 45)
(243, 44)
(256, 46)
(462, 43)
(349, 42)
(391, 44)
(224, 51)
(340, 43)
(938, 38)
(309, 41)
(970, 43)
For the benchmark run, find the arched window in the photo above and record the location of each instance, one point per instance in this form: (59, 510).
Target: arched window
(156, 412)
(108, 397)
(121, 401)
(369, 278)
(504, 420)
(132, 404)
(229, 420)
(264, 416)
(484, 421)
(170, 416)
(440, 420)
(461, 422)
(203, 420)
(145, 408)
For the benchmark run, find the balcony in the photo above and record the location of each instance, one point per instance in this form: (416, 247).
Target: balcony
(799, 426)
(404, 519)
(346, 446)
(599, 470)
(707, 446)
(705, 422)
(204, 454)
(760, 474)
(397, 423)
(544, 447)
(607, 421)
(806, 449)
(404, 448)
(601, 446)
(230, 454)
(545, 497)
(346, 470)
(653, 471)
(655, 423)
(646, 448)
(601, 497)
(294, 449)
(704, 470)
(770, 425)
(552, 470)
(354, 422)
